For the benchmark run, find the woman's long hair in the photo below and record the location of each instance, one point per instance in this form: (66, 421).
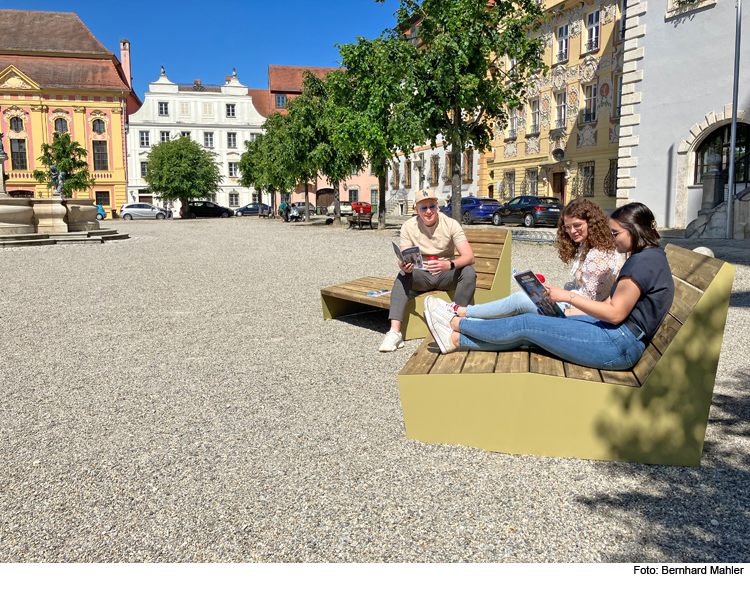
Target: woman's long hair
(639, 222)
(598, 227)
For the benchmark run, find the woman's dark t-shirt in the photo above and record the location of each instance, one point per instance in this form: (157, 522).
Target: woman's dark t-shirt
(650, 271)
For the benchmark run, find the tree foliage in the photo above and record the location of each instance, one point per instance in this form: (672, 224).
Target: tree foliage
(460, 84)
(69, 157)
(374, 103)
(182, 169)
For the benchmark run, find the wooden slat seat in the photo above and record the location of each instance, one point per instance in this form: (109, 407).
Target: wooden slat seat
(492, 249)
(361, 219)
(530, 402)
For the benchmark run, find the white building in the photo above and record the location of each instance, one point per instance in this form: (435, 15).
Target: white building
(219, 117)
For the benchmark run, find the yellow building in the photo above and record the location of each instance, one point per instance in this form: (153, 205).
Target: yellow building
(564, 141)
(55, 76)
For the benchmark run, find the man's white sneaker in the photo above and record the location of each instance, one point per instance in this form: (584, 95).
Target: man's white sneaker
(391, 342)
(438, 319)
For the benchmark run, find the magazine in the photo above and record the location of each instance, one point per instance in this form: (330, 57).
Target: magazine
(533, 288)
(409, 255)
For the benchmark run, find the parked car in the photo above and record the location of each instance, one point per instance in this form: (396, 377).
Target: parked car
(251, 209)
(142, 211)
(474, 209)
(300, 205)
(529, 211)
(207, 209)
(362, 207)
(100, 213)
(346, 208)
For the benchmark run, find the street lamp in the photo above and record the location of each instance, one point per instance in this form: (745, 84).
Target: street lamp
(735, 92)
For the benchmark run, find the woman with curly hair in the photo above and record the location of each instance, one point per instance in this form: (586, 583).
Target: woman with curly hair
(583, 238)
(609, 335)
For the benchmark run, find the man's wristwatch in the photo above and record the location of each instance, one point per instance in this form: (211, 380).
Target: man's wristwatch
(453, 265)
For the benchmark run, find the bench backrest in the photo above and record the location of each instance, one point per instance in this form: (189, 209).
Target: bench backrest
(487, 245)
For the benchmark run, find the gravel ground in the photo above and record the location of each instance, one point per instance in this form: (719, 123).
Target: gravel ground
(178, 397)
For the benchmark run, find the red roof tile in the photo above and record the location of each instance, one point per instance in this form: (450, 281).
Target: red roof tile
(261, 100)
(68, 72)
(23, 31)
(290, 78)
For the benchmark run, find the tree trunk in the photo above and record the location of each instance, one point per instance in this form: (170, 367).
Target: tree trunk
(184, 209)
(382, 182)
(455, 172)
(272, 212)
(307, 203)
(336, 204)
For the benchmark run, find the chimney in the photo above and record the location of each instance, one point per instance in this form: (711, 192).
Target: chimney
(197, 82)
(125, 60)
(227, 79)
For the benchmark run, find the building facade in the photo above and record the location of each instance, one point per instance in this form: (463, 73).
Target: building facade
(679, 70)
(564, 141)
(221, 118)
(66, 82)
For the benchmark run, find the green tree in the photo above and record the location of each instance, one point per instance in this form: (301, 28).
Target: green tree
(251, 168)
(338, 150)
(460, 84)
(374, 103)
(182, 169)
(69, 157)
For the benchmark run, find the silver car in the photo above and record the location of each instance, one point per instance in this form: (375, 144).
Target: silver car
(142, 211)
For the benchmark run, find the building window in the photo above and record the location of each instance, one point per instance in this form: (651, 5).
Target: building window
(280, 101)
(185, 134)
(253, 137)
(532, 181)
(163, 109)
(256, 197)
(560, 109)
(396, 180)
(211, 198)
(354, 171)
(468, 166)
(231, 111)
(562, 44)
(208, 109)
(16, 124)
(102, 198)
(618, 98)
(145, 139)
(61, 125)
(18, 155)
(592, 31)
(623, 18)
(513, 124)
(164, 136)
(374, 196)
(185, 109)
(353, 195)
(407, 174)
(719, 142)
(610, 181)
(435, 176)
(533, 116)
(589, 104)
(144, 169)
(586, 177)
(510, 183)
(234, 200)
(233, 170)
(97, 126)
(231, 139)
(208, 139)
(101, 159)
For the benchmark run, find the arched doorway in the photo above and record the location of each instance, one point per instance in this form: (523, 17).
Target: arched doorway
(324, 198)
(719, 142)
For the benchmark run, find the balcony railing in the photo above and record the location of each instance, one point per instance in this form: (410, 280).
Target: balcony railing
(588, 116)
(560, 123)
(592, 44)
(511, 134)
(533, 130)
(562, 56)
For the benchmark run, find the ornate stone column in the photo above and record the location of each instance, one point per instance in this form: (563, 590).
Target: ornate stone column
(80, 215)
(16, 215)
(49, 214)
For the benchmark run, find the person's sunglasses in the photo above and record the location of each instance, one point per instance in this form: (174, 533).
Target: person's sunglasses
(426, 207)
(616, 234)
(576, 227)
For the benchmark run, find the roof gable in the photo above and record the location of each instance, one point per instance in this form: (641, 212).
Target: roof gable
(14, 79)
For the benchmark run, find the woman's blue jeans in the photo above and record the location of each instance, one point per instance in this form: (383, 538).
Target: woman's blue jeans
(515, 304)
(582, 340)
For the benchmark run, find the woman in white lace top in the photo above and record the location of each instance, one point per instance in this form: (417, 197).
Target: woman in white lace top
(583, 238)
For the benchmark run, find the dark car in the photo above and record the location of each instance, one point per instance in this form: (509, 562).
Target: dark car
(529, 211)
(474, 209)
(300, 205)
(251, 209)
(207, 209)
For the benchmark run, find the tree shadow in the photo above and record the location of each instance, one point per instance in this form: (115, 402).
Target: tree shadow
(375, 320)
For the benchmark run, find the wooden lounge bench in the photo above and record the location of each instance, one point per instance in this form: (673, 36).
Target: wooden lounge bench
(361, 218)
(528, 402)
(492, 264)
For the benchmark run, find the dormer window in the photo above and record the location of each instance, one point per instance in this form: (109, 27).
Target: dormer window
(97, 126)
(16, 124)
(163, 109)
(61, 125)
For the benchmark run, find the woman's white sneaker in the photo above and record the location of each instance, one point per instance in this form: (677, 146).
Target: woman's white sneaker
(392, 341)
(438, 318)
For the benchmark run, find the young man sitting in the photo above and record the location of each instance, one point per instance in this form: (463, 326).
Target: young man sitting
(436, 235)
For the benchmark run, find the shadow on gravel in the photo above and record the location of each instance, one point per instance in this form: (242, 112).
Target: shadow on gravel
(694, 514)
(376, 320)
(740, 299)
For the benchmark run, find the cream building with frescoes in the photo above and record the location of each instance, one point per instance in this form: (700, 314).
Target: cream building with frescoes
(564, 141)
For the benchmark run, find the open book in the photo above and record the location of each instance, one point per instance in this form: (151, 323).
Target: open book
(533, 288)
(409, 255)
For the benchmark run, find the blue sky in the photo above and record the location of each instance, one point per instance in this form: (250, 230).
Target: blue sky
(207, 39)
